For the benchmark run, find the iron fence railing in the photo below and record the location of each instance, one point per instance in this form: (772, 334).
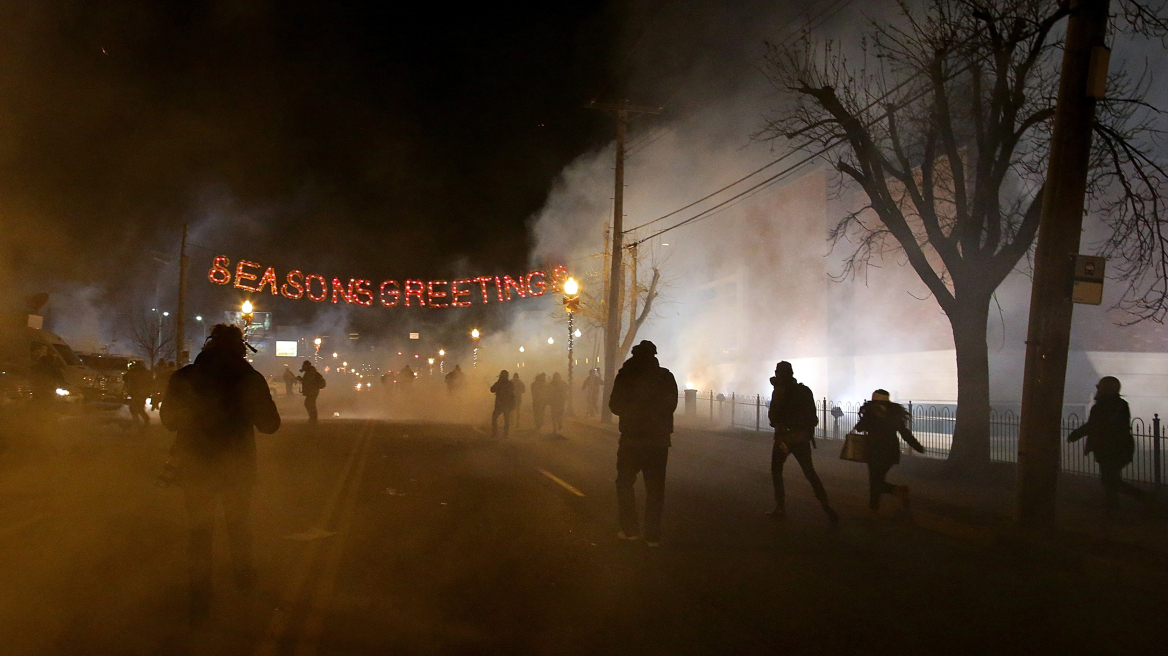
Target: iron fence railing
(932, 424)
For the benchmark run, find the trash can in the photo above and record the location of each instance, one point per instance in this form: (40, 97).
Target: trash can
(691, 403)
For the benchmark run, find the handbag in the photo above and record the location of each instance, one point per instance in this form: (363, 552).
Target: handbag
(855, 447)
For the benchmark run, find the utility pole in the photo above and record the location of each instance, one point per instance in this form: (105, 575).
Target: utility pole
(1049, 332)
(632, 284)
(180, 333)
(621, 111)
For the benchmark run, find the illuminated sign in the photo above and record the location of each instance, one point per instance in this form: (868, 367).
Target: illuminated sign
(285, 349)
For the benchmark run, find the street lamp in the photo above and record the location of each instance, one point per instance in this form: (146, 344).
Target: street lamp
(474, 334)
(442, 361)
(430, 361)
(571, 304)
(316, 354)
(202, 325)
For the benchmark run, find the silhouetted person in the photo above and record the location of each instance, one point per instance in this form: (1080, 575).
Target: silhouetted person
(539, 399)
(520, 389)
(455, 379)
(504, 393)
(644, 396)
(794, 418)
(162, 373)
(48, 375)
(138, 383)
(1109, 438)
(214, 405)
(592, 386)
(289, 381)
(557, 397)
(311, 383)
(885, 423)
(406, 375)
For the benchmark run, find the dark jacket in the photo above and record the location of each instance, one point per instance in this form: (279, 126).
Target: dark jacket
(1108, 431)
(504, 392)
(792, 412)
(644, 396)
(539, 391)
(311, 382)
(215, 404)
(557, 393)
(882, 421)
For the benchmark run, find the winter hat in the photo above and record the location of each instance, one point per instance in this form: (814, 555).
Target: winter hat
(645, 348)
(881, 395)
(1108, 385)
(784, 370)
(306, 366)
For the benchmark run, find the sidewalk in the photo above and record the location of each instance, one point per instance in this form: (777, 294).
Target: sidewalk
(981, 511)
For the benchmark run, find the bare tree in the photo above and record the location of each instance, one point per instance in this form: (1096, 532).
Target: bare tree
(152, 336)
(943, 122)
(593, 316)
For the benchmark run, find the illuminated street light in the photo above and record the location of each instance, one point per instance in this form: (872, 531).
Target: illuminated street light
(166, 314)
(571, 304)
(521, 349)
(577, 333)
(334, 355)
(551, 340)
(571, 287)
(316, 342)
(474, 334)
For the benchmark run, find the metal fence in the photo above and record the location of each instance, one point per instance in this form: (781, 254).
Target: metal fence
(932, 424)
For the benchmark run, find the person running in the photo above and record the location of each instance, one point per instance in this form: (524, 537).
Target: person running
(792, 414)
(644, 397)
(215, 405)
(539, 400)
(138, 383)
(883, 421)
(289, 381)
(520, 388)
(1109, 438)
(311, 383)
(504, 393)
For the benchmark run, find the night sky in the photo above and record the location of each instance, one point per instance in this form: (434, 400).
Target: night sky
(393, 138)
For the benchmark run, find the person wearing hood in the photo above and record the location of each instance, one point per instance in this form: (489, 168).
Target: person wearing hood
(311, 383)
(644, 396)
(883, 421)
(289, 381)
(215, 405)
(504, 391)
(793, 415)
(1109, 438)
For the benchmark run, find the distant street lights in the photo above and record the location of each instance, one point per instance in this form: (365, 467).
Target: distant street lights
(442, 362)
(571, 304)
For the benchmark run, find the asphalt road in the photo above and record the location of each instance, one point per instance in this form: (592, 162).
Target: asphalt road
(377, 537)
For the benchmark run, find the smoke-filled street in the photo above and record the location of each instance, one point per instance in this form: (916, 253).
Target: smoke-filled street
(603, 327)
(384, 537)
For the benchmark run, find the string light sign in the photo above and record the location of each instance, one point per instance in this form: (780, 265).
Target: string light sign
(253, 277)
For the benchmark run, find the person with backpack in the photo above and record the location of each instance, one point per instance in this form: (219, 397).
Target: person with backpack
(311, 383)
(504, 392)
(885, 423)
(793, 415)
(1109, 438)
(215, 405)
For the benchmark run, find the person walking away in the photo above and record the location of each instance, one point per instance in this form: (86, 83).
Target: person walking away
(138, 383)
(885, 424)
(215, 405)
(1109, 438)
(557, 398)
(520, 389)
(504, 393)
(289, 381)
(454, 380)
(311, 383)
(644, 397)
(592, 386)
(794, 418)
(539, 399)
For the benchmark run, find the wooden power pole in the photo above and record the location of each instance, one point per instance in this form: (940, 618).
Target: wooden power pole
(180, 333)
(1049, 332)
(622, 112)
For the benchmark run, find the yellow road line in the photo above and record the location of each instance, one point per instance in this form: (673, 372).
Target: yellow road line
(564, 484)
(309, 642)
(282, 614)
